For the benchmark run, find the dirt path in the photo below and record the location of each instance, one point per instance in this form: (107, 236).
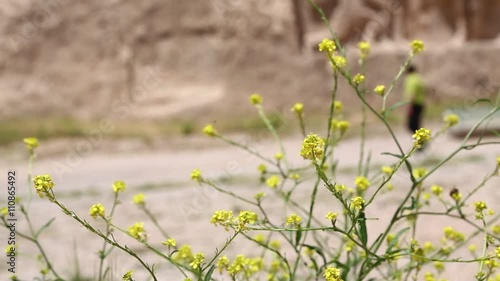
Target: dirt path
(184, 209)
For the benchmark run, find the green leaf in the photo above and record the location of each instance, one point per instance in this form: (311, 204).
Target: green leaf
(44, 227)
(395, 106)
(298, 235)
(208, 277)
(362, 228)
(392, 154)
(318, 250)
(396, 239)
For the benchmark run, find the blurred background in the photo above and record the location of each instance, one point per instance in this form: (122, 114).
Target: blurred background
(150, 71)
(167, 67)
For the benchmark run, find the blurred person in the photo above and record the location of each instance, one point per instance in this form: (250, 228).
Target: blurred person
(414, 93)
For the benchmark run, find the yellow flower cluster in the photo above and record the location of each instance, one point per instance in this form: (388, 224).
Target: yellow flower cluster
(223, 218)
(331, 216)
(451, 234)
(312, 147)
(419, 172)
(139, 199)
(196, 175)
(298, 108)
(362, 183)
(43, 184)
(294, 220)
(246, 217)
(119, 186)
(240, 266)
(210, 131)
(262, 168)
(127, 276)
(380, 90)
(437, 190)
(327, 46)
(137, 231)
(97, 210)
(184, 254)
(255, 99)
(170, 242)
(278, 156)
(480, 207)
(358, 78)
(332, 274)
(31, 144)
(421, 137)
(417, 47)
(339, 62)
(387, 170)
(364, 49)
(198, 259)
(338, 107)
(451, 120)
(273, 181)
(357, 202)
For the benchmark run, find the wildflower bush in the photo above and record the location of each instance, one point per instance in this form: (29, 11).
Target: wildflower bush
(333, 246)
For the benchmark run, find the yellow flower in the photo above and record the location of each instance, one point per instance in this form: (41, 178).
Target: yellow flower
(380, 90)
(196, 175)
(223, 218)
(262, 168)
(170, 242)
(417, 47)
(364, 49)
(362, 183)
(339, 62)
(298, 108)
(43, 184)
(495, 229)
(338, 106)
(389, 186)
(4, 211)
(210, 131)
(119, 186)
(451, 120)
(419, 172)
(472, 248)
(453, 235)
(259, 195)
(184, 254)
(278, 156)
(498, 161)
(332, 274)
(255, 99)
(31, 144)
(259, 238)
(358, 78)
(275, 244)
(340, 188)
(357, 203)
(437, 190)
(137, 231)
(97, 210)
(480, 206)
(455, 194)
(331, 216)
(128, 276)
(273, 181)
(421, 137)
(312, 147)
(343, 126)
(246, 217)
(199, 258)
(497, 252)
(327, 46)
(387, 170)
(295, 177)
(294, 220)
(222, 263)
(138, 199)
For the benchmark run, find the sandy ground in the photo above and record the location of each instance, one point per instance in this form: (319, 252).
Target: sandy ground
(184, 208)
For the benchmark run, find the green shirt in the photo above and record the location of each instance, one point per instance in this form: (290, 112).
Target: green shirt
(414, 89)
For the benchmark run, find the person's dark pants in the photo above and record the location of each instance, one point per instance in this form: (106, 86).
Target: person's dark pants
(415, 117)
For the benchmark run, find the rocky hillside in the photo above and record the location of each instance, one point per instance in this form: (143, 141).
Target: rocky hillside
(163, 58)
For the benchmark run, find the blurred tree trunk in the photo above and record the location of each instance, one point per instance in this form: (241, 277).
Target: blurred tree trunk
(300, 23)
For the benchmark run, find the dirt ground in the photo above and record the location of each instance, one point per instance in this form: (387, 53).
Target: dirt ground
(184, 208)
